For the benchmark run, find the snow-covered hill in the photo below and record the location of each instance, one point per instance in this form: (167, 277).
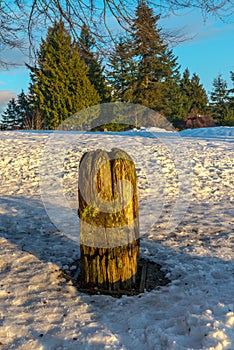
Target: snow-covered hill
(216, 132)
(186, 197)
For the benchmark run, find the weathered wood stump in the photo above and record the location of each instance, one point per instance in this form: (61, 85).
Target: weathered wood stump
(109, 225)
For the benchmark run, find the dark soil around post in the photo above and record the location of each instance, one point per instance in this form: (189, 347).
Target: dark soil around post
(149, 276)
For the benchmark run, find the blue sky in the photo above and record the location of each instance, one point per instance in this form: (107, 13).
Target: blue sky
(208, 51)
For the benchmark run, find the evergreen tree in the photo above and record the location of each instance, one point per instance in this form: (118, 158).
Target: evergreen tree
(24, 108)
(156, 64)
(143, 69)
(231, 92)
(232, 79)
(185, 85)
(122, 70)
(93, 62)
(10, 116)
(60, 84)
(174, 103)
(220, 97)
(229, 118)
(199, 99)
(194, 94)
(28, 113)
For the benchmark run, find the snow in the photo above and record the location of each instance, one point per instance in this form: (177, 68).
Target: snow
(222, 131)
(186, 183)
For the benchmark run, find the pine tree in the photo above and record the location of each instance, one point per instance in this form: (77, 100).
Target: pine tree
(229, 115)
(232, 79)
(60, 84)
(24, 108)
(93, 62)
(142, 68)
(194, 94)
(174, 103)
(199, 99)
(10, 116)
(156, 64)
(186, 90)
(122, 70)
(220, 97)
(231, 91)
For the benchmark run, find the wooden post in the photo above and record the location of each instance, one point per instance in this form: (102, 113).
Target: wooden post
(109, 225)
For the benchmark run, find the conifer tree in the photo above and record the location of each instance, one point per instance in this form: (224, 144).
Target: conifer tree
(60, 84)
(156, 64)
(186, 90)
(24, 108)
(219, 100)
(122, 72)
(193, 94)
(143, 68)
(174, 103)
(229, 120)
(93, 62)
(10, 116)
(199, 97)
(232, 79)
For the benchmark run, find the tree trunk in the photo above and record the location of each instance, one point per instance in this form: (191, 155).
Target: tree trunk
(109, 225)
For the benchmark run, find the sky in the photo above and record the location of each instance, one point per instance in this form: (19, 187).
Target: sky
(207, 51)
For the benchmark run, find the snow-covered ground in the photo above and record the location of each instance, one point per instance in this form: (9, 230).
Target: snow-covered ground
(186, 197)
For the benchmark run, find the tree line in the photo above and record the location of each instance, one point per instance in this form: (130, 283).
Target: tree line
(69, 75)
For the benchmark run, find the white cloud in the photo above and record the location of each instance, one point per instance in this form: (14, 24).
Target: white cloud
(5, 96)
(14, 57)
(195, 27)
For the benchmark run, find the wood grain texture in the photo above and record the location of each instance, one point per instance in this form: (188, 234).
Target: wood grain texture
(109, 225)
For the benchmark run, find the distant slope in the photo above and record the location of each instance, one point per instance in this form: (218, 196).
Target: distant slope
(213, 132)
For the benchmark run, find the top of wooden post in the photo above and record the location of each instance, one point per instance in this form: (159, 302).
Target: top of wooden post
(108, 203)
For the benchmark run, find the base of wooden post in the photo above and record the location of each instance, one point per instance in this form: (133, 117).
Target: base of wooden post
(110, 268)
(148, 277)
